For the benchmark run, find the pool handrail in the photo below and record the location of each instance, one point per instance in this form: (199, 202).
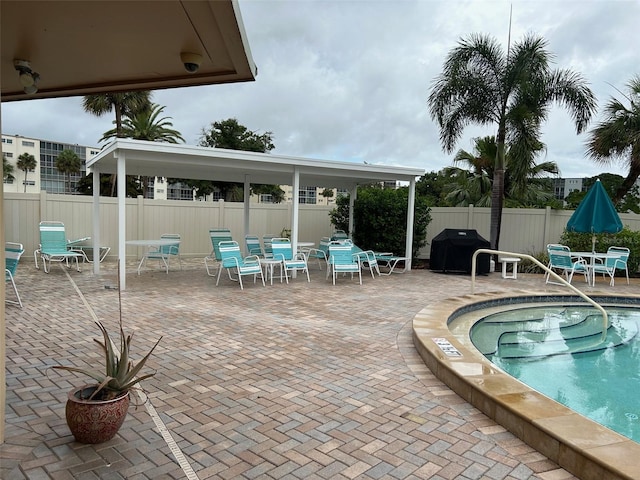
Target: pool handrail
(503, 253)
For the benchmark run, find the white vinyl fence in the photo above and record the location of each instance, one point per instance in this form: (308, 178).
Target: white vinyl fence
(523, 230)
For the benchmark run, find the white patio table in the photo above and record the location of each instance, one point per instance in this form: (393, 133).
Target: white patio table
(590, 258)
(153, 243)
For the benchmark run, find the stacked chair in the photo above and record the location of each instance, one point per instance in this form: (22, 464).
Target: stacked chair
(343, 260)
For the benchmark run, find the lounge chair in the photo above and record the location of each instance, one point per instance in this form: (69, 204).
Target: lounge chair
(163, 253)
(54, 246)
(12, 253)
(283, 250)
(343, 260)
(217, 235)
(231, 259)
(390, 261)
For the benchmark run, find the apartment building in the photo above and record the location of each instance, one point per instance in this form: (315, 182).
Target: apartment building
(46, 177)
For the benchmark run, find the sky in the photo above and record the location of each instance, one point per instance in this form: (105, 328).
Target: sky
(348, 80)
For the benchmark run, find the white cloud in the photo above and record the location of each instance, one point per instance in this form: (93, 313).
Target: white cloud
(349, 80)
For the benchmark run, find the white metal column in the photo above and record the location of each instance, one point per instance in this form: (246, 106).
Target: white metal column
(96, 221)
(411, 204)
(247, 199)
(122, 220)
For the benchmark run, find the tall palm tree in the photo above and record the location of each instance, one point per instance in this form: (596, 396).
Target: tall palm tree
(121, 103)
(145, 125)
(618, 136)
(482, 84)
(27, 163)
(67, 163)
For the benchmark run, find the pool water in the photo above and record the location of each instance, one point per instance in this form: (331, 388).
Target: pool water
(558, 351)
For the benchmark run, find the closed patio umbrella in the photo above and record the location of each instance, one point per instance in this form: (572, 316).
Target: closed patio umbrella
(595, 214)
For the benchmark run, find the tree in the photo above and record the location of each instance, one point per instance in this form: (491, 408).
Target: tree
(68, 162)
(527, 184)
(611, 183)
(480, 84)
(145, 125)
(27, 163)
(7, 169)
(380, 219)
(618, 136)
(233, 136)
(121, 103)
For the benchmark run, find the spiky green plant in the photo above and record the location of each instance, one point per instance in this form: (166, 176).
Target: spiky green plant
(120, 371)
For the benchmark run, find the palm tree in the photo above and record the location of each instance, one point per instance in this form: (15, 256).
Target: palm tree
(513, 91)
(618, 136)
(27, 163)
(525, 184)
(7, 168)
(145, 125)
(68, 162)
(122, 103)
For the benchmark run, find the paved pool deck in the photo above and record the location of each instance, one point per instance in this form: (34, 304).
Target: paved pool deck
(298, 381)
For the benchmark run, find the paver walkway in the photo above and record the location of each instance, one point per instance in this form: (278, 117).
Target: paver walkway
(298, 381)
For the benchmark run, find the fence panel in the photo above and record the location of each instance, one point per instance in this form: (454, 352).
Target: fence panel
(523, 230)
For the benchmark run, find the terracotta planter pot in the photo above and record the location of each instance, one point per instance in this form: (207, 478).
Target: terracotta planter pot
(94, 421)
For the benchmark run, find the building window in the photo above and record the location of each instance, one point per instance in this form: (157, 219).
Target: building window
(25, 143)
(266, 198)
(8, 154)
(8, 180)
(307, 195)
(7, 140)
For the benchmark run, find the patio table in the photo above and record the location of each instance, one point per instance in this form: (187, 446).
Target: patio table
(591, 257)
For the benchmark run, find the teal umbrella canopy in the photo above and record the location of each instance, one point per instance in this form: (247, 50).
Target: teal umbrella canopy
(595, 213)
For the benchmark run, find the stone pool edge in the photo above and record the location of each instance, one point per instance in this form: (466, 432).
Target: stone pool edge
(579, 445)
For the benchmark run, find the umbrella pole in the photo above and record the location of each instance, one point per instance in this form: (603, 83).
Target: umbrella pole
(593, 243)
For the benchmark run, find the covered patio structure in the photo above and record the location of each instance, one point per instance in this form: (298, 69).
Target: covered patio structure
(135, 157)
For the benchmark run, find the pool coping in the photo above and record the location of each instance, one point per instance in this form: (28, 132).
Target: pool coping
(576, 443)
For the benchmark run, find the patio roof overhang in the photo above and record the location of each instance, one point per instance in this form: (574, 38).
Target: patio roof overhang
(204, 163)
(136, 157)
(90, 47)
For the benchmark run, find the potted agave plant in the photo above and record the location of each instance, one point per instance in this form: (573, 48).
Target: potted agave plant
(95, 412)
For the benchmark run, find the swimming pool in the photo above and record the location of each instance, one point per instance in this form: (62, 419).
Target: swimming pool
(441, 335)
(557, 350)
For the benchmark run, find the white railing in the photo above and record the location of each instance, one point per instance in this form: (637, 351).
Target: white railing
(546, 269)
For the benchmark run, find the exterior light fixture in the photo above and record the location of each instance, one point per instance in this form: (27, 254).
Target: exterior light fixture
(28, 78)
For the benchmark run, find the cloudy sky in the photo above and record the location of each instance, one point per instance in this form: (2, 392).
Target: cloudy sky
(349, 79)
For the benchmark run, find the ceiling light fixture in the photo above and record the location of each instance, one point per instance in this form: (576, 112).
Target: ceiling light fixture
(28, 78)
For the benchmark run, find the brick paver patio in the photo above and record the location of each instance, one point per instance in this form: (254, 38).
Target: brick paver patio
(298, 381)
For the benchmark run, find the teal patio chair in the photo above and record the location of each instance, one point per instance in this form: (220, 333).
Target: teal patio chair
(217, 235)
(283, 251)
(12, 253)
(320, 254)
(612, 263)
(231, 260)
(367, 258)
(54, 246)
(343, 260)
(163, 253)
(266, 242)
(561, 259)
(253, 245)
